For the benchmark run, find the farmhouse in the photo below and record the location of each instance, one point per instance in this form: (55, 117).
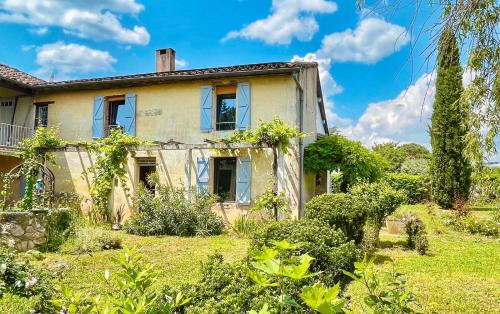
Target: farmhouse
(182, 113)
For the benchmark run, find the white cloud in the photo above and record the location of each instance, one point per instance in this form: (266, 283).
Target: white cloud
(372, 40)
(288, 19)
(181, 64)
(405, 118)
(97, 20)
(66, 59)
(40, 30)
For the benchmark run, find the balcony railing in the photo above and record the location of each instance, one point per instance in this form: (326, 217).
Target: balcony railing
(12, 135)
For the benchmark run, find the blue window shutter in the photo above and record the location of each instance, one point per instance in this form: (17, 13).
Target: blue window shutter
(243, 110)
(98, 117)
(202, 174)
(206, 108)
(130, 105)
(243, 180)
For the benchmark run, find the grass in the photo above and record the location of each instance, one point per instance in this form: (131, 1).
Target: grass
(459, 274)
(177, 258)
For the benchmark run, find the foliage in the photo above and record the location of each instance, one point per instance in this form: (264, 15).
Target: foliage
(344, 211)
(174, 211)
(60, 226)
(111, 154)
(330, 249)
(276, 204)
(487, 187)
(277, 135)
(416, 188)
(415, 230)
(271, 269)
(451, 172)
(397, 155)
(6, 190)
(487, 226)
(68, 200)
(131, 291)
(382, 201)
(91, 239)
(22, 279)
(337, 153)
(244, 226)
(416, 166)
(33, 151)
(385, 292)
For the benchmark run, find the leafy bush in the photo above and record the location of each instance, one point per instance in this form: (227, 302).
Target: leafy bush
(91, 239)
(398, 155)
(346, 212)
(356, 162)
(382, 201)
(21, 279)
(385, 292)
(476, 225)
(331, 251)
(416, 188)
(275, 205)
(415, 230)
(244, 226)
(131, 292)
(60, 226)
(174, 211)
(416, 166)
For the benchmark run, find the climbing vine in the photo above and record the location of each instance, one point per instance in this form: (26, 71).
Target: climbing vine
(111, 154)
(33, 152)
(276, 135)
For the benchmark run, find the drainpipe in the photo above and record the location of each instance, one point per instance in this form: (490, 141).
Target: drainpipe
(301, 143)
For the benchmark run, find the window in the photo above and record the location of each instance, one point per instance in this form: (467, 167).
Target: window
(116, 114)
(225, 178)
(41, 115)
(147, 166)
(226, 112)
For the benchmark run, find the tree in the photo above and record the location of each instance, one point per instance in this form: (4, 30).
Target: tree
(451, 172)
(335, 152)
(391, 152)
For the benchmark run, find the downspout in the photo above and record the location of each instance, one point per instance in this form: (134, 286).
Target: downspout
(301, 143)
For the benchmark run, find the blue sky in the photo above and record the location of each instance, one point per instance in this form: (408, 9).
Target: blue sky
(376, 91)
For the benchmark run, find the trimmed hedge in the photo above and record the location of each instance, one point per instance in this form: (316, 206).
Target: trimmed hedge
(344, 211)
(416, 188)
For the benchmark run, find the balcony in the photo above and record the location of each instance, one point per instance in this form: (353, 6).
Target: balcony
(12, 135)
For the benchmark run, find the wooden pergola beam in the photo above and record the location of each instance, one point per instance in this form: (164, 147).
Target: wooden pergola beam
(166, 146)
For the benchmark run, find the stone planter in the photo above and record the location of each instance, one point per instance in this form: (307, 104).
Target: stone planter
(395, 226)
(25, 230)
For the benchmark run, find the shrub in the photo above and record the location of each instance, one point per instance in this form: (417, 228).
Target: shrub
(382, 201)
(330, 248)
(174, 211)
(60, 226)
(244, 226)
(416, 166)
(91, 239)
(21, 279)
(224, 288)
(415, 230)
(356, 162)
(346, 212)
(475, 225)
(416, 188)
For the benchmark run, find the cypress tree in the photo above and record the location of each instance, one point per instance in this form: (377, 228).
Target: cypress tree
(451, 172)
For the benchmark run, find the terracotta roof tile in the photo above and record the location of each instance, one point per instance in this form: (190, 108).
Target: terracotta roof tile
(17, 76)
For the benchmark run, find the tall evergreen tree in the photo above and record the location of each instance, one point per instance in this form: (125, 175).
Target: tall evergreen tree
(451, 172)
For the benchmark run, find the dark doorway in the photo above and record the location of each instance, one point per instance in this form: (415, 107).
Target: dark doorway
(225, 179)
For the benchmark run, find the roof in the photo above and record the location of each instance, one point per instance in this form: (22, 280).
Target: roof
(161, 77)
(16, 76)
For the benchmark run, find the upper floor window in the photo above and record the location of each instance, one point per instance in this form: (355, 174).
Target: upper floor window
(226, 112)
(116, 114)
(41, 115)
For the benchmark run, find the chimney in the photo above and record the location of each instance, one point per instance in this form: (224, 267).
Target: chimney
(165, 60)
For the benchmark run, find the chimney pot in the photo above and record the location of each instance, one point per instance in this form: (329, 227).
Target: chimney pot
(165, 60)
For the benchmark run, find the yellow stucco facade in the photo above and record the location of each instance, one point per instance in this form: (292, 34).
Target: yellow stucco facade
(171, 111)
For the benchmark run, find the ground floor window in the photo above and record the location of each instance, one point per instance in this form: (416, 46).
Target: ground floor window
(147, 166)
(225, 179)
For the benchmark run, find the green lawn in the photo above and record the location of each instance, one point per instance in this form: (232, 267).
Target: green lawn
(177, 258)
(459, 274)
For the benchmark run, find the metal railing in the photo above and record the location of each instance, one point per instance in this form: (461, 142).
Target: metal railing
(12, 135)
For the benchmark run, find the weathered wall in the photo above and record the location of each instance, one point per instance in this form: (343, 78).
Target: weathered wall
(7, 163)
(25, 230)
